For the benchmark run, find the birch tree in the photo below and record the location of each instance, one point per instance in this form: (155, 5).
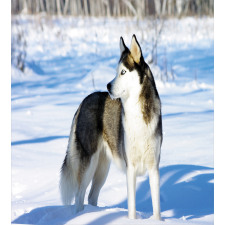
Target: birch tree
(116, 8)
(58, 7)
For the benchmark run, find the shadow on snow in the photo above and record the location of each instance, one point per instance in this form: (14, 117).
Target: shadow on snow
(186, 190)
(37, 140)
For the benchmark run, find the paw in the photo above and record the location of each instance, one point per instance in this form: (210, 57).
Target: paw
(92, 202)
(157, 217)
(132, 216)
(79, 208)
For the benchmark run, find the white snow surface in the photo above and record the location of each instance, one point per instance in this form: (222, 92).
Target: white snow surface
(69, 58)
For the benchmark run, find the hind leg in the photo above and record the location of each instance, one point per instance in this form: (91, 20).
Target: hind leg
(85, 179)
(99, 178)
(79, 200)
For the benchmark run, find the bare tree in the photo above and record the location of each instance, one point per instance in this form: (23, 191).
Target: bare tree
(58, 7)
(65, 9)
(108, 8)
(25, 9)
(86, 8)
(157, 7)
(47, 6)
(18, 47)
(42, 8)
(170, 7)
(164, 7)
(116, 9)
(186, 6)
(37, 8)
(179, 5)
(130, 6)
(140, 8)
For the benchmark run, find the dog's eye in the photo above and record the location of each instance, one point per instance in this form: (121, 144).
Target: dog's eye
(123, 72)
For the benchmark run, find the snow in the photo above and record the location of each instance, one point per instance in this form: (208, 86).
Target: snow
(69, 58)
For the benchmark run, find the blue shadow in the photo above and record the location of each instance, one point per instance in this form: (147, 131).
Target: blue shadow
(47, 215)
(196, 61)
(210, 112)
(193, 198)
(38, 140)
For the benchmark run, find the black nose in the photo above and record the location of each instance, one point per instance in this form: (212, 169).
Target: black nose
(109, 87)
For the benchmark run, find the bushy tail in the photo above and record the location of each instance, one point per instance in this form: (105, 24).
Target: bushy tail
(67, 183)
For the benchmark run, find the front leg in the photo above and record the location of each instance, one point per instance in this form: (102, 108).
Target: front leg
(155, 191)
(131, 191)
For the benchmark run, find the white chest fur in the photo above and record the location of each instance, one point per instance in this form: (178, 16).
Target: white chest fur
(141, 143)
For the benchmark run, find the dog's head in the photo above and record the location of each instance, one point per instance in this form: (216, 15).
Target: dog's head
(131, 71)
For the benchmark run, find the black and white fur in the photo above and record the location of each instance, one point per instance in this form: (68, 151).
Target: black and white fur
(124, 125)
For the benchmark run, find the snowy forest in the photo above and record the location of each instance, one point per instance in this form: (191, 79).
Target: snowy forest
(64, 50)
(115, 8)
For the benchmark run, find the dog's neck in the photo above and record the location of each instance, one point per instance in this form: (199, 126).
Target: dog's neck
(132, 105)
(142, 103)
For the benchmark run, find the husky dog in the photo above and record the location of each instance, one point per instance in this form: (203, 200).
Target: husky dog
(123, 124)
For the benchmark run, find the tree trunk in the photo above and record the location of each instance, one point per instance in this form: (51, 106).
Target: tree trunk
(157, 7)
(25, 9)
(179, 5)
(164, 7)
(78, 8)
(47, 7)
(186, 7)
(72, 8)
(66, 7)
(199, 7)
(107, 9)
(170, 7)
(211, 7)
(130, 7)
(86, 7)
(37, 8)
(52, 6)
(58, 7)
(42, 5)
(139, 8)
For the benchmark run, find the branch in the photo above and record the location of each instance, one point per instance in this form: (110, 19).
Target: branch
(130, 6)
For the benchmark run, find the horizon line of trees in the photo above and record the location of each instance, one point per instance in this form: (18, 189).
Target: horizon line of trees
(114, 8)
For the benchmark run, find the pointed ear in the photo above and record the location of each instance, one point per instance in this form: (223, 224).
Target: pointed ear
(123, 47)
(135, 49)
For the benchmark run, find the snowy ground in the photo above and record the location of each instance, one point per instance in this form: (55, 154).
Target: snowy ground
(69, 58)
